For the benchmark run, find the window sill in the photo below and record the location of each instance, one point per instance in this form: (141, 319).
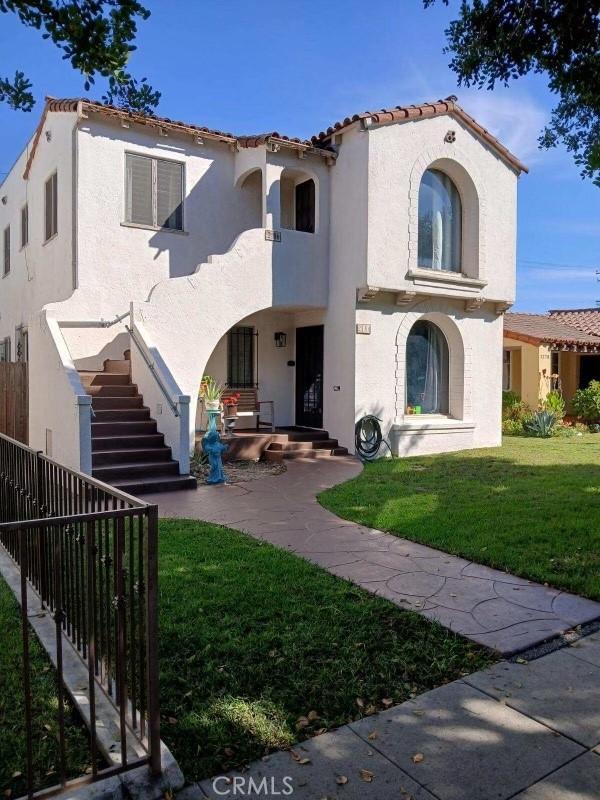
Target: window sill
(51, 239)
(153, 228)
(431, 423)
(422, 274)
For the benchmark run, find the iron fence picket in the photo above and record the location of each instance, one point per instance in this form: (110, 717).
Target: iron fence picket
(89, 552)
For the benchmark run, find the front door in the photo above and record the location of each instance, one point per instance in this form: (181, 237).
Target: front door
(309, 376)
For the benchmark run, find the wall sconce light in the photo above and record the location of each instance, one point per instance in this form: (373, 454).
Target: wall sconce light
(280, 339)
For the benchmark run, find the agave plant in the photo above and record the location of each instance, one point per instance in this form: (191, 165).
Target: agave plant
(541, 424)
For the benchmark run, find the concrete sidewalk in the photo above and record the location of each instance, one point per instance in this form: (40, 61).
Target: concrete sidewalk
(517, 730)
(501, 611)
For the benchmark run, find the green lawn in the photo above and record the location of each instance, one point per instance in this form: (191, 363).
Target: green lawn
(531, 507)
(45, 709)
(253, 639)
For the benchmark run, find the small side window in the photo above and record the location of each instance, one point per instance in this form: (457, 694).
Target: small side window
(25, 225)
(6, 251)
(51, 207)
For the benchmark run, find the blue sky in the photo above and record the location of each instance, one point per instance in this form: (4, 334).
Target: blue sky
(247, 66)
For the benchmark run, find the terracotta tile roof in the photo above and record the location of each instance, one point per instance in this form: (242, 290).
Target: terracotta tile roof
(175, 125)
(423, 111)
(93, 106)
(544, 329)
(586, 319)
(319, 144)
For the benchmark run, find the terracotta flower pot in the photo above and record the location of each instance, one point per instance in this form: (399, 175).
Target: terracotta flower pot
(231, 411)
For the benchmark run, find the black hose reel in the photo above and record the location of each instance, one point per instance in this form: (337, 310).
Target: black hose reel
(368, 437)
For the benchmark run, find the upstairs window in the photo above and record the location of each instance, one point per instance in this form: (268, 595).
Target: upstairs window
(427, 363)
(51, 207)
(154, 192)
(25, 226)
(440, 223)
(305, 206)
(6, 251)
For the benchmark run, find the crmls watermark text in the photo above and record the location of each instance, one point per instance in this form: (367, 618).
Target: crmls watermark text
(242, 786)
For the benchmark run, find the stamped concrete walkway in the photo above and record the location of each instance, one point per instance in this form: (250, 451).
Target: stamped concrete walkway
(493, 608)
(526, 731)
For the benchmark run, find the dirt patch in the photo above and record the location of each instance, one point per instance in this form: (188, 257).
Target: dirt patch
(238, 471)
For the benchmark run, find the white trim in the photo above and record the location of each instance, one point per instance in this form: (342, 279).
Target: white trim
(429, 423)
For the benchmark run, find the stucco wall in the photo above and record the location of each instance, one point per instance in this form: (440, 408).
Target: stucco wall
(474, 342)
(398, 156)
(41, 272)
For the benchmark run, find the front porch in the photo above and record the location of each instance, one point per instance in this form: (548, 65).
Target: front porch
(292, 442)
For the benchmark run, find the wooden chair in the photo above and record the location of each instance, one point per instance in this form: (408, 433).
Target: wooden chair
(249, 405)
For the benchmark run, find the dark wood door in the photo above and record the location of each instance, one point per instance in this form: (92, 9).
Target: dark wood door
(309, 376)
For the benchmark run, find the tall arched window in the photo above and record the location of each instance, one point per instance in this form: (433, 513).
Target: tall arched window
(427, 369)
(440, 222)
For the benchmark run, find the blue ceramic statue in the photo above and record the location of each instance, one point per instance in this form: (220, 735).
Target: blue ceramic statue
(214, 448)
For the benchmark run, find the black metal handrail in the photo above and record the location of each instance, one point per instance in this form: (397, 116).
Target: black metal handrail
(89, 552)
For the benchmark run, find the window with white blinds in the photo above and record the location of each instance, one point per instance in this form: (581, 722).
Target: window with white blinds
(153, 192)
(6, 251)
(51, 207)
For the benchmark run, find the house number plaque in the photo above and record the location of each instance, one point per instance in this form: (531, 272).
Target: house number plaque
(363, 327)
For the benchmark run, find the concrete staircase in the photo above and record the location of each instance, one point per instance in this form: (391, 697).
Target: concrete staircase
(299, 443)
(128, 452)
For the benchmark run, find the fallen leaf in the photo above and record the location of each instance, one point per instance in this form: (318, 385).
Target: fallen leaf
(302, 722)
(312, 716)
(418, 712)
(372, 736)
(304, 761)
(366, 775)
(229, 752)
(341, 780)
(387, 702)
(417, 758)
(522, 661)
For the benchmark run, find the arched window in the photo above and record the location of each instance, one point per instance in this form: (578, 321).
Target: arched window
(440, 222)
(427, 369)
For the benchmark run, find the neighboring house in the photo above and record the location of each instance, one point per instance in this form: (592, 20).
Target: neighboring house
(558, 350)
(363, 272)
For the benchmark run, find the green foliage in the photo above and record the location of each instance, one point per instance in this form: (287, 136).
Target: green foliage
(514, 409)
(498, 41)
(554, 402)
(96, 37)
(253, 639)
(529, 507)
(586, 402)
(512, 427)
(541, 424)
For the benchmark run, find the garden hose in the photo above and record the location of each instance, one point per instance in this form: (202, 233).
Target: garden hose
(368, 437)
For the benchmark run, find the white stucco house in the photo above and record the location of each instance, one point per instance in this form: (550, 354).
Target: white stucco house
(363, 272)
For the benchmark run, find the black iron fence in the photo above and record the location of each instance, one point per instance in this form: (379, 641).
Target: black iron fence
(89, 554)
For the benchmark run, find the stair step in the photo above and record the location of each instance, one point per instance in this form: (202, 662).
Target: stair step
(276, 456)
(113, 390)
(168, 483)
(105, 378)
(121, 414)
(113, 366)
(135, 469)
(110, 403)
(107, 458)
(134, 442)
(300, 436)
(111, 428)
(319, 444)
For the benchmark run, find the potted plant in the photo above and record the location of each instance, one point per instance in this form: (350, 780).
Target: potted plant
(210, 392)
(230, 404)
